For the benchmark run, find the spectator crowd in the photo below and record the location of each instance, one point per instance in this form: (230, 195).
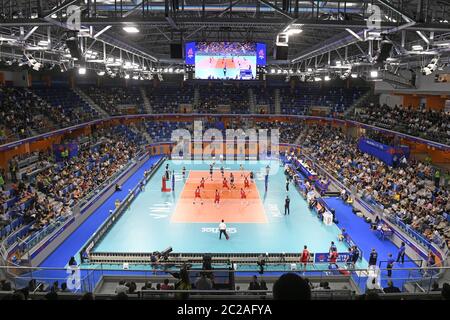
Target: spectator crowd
(415, 192)
(427, 124)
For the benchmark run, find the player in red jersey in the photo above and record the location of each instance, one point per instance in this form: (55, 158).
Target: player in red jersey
(233, 186)
(202, 183)
(304, 259)
(198, 195)
(246, 183)
(225, 184)
(243, 197)
(332, 259)
(217, 198)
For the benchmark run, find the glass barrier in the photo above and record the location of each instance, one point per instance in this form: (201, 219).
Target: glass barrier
(413, 280)
(40, 235)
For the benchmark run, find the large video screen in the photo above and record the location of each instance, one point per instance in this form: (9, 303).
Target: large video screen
(226, 60)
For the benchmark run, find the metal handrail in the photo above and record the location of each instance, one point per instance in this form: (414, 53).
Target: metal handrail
(102, 268)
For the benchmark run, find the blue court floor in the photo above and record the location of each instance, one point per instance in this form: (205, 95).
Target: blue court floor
(146, 225)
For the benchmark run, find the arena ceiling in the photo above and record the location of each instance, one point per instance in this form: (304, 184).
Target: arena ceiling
(37, 30)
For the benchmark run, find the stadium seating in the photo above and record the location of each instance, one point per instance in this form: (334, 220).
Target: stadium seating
(116, 100)
(167, 98)
(23, 115)
(67, 102)
(401, 192)
(42, 199)
(300, 99)
(213, 95)
(264, 96)
(428, 124)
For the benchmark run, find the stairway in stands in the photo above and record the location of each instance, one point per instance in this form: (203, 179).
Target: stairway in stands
(251, 100)
(49, 118)
(277, 102)
(361, 101)
(141, 130)
(196, 97)
(102, 113)
(147, 105)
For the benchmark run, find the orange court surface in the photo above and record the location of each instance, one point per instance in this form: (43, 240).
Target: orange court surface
(231, 207)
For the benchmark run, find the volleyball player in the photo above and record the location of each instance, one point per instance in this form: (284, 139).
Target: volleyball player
(243, 197)
(232, 185)
(202, 183)
(332, 259)
(225, 184)
(211, 168)
(184, 172)
(241, 168)
(198, 195)
(252, 176)
(246, 183)
(304, 258)
(222, 171)
(217, 198)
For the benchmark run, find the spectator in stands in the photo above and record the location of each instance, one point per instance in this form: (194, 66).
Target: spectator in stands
(131, 287)
(391, 288)
(55, 286)
(291, 286)
(64, 287)
(183, 284)
(263, 286)
(147, 286)
(3, 218)
(254, 284)
(2, 181)
(437, 177)
(5, 285)
(435, 286)
(121, 288)
(203, 282)
(165, 285)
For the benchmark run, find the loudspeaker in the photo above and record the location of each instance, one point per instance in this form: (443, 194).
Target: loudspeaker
(281, 52)
(176, 51)
(385, 50)
(74, 48)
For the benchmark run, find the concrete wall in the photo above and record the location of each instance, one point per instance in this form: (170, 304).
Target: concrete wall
(17, 78)
(391, 99)
(424, 84)
(427, 92)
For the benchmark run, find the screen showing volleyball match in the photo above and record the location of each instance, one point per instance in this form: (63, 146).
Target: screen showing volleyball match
(226, 60)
